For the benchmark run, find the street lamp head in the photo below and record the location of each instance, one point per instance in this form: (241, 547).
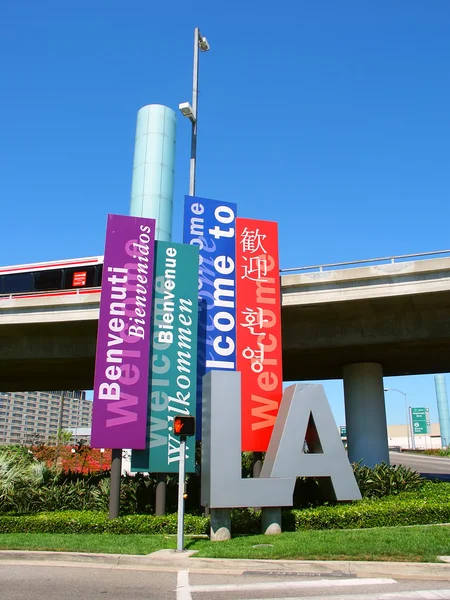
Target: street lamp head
(394, 390)
(187, 111)
(203, 44)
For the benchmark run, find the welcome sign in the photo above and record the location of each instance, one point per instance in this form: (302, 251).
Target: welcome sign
(210, 226)
(173, 360)
(123, 342)
(259, 345)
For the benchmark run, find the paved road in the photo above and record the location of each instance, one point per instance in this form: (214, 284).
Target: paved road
(25, 581)
(421, 462)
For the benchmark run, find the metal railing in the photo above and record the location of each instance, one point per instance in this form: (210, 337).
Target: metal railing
(66, 292)
(319, 268)
(390, 259)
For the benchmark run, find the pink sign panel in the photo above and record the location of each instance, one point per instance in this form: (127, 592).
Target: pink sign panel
(119, 418)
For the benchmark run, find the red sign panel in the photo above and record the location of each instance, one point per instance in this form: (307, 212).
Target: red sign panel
(258, 318)
(79, 279)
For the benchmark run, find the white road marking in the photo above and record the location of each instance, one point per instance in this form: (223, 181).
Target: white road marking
(183, 589)
(288, 585)
(422, 595)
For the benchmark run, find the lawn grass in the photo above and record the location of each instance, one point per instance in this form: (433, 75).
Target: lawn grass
(108, 543)
(418, 543)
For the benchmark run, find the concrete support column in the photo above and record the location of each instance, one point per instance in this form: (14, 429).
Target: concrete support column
(154, 167)
(220, 524)
(116, 471)
(160, 495)
(365, 414)
(270, 516)
(271, 520)
(152, 189)
(257, 463)
(443, 412)
(256, 469)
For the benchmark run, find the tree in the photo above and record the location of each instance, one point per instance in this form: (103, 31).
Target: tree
(61, 438)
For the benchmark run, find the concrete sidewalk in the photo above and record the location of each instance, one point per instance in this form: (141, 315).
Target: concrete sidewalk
(170, 560)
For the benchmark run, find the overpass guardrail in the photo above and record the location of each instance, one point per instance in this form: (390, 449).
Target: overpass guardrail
(308, 269)
(367, 262)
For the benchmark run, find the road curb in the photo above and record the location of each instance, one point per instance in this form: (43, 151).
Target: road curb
(171, 560)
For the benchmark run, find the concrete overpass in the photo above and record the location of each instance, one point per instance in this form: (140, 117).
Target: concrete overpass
(48, 340)
(357, 324)
(395, 314)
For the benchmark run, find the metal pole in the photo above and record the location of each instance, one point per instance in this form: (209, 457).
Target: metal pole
(407, 420)
(24, 425)
(407, 414)
(181, 478)
(192, 167)
(60, 419)
(194, 110)
(413, 441)
(76, 424)
(114, 495)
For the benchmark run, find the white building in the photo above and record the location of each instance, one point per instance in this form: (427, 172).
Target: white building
(399, 436)
(35, 417)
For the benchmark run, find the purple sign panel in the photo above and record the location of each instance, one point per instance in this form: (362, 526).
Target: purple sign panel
(119, 416)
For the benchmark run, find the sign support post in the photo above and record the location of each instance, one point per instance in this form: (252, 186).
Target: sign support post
(114, 494)
(413, 441)
(182, 427)
(181, 480)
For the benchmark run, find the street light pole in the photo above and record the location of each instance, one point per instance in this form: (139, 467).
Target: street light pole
(60, 418)
(200, 45)
(193, 160)
(413, 439)
(408, 421)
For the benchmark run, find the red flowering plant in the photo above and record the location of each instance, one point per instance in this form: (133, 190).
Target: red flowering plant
(76, 459)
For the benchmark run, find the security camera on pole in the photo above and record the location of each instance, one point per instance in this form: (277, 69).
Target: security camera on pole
(200, 44)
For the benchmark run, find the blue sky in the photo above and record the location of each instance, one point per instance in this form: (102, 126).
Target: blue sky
(331, 118)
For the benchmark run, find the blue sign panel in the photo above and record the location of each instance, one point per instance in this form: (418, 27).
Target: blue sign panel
(211, 226)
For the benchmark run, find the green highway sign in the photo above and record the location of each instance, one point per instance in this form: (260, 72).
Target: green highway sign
(343, 431)
(419, 417)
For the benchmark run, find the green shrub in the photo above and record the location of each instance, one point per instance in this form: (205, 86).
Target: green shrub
(378, 482)
(36, 488)
(373, 513)
(22, 479)
(385, 480)
(444, 451)
(438, 451)
(431, 504)
(246, 521)
(17, 453)
(438, 491)
(28, 486)
(96, 522)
